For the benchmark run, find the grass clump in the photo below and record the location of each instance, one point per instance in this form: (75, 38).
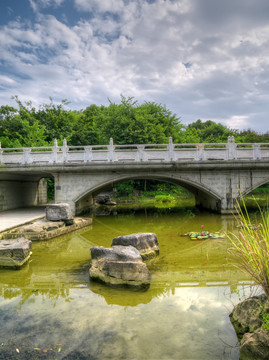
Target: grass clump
(250, 247)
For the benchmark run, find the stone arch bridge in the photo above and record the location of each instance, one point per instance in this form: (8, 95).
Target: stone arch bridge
(215, 173)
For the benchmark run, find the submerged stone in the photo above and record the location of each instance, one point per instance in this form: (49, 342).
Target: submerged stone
(59, 212)
(119, 265)
(146, 243)
(15, 252)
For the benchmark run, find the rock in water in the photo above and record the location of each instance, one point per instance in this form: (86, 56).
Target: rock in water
(146, 243)
(15, 252)
(247, 321)
(255, 345)
(59, 212)
(119, 265)
(246, 315)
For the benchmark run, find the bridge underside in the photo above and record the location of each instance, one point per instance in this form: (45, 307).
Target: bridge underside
(18, 191)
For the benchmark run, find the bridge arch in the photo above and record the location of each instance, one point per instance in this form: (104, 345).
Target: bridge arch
(254, 186)
(204, 196)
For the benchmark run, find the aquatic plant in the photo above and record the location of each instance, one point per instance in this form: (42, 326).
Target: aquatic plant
(250, 246)
(204, 235)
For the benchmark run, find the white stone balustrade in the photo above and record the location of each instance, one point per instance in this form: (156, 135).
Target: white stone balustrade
(63, 154)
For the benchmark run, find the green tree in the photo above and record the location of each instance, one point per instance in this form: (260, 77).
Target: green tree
(131, 123)
(211, 132)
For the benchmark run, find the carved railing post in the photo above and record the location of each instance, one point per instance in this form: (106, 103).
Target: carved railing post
(231, 148)
(87, 154)
(111, 150)
(64, 148)
(199, 152)
(54, 152)
(27, 156)
(141, 152)
(256, 151)
(170, 149)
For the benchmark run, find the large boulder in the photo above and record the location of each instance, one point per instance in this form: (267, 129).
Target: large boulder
(247, 321)
(146, 243)
(255, 345)
(103, 199)
(119, 265)
(246, 315)
(60, 212)
(15, 252)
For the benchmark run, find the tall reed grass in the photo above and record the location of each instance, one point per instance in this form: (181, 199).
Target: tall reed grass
(250, 247)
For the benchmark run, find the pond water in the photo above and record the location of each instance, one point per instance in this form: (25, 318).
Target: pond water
(51, 310)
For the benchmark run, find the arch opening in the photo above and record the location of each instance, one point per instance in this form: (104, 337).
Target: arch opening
(204, 198)
(259, 194)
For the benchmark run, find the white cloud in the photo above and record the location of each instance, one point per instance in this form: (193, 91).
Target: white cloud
(164, 51)
(98, 5)
(37, 5)
(5, 80)
(237, 122)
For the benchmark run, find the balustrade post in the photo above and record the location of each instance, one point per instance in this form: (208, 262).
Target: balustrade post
(27, 156)
(231, 148)
(141, 152)
(256, 151)
(54, 152)
(111, 150)
(200, 152)
(87, 154)
(170, 149)
(64, 148)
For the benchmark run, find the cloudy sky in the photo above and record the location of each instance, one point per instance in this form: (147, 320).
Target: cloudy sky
(203, 59)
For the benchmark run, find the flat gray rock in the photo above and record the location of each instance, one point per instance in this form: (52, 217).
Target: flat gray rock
(40, 226)
(59, 212)
(119, 265)
(15, 252)
(146, 243)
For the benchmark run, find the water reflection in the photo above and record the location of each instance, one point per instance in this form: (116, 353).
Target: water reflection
(184, 314)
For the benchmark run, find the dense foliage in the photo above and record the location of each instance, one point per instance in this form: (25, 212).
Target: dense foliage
(127, 123)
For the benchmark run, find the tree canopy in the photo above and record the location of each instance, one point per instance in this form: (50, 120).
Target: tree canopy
(127, 123)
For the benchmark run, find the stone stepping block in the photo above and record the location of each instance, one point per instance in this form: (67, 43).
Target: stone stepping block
(15, 252)
(60, 212)
(146, 243)
(40, 226)
(118, 266)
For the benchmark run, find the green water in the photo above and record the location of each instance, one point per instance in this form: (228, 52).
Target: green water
(50, 309)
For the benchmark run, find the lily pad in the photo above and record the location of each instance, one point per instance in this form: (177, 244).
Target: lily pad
(204, 235)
